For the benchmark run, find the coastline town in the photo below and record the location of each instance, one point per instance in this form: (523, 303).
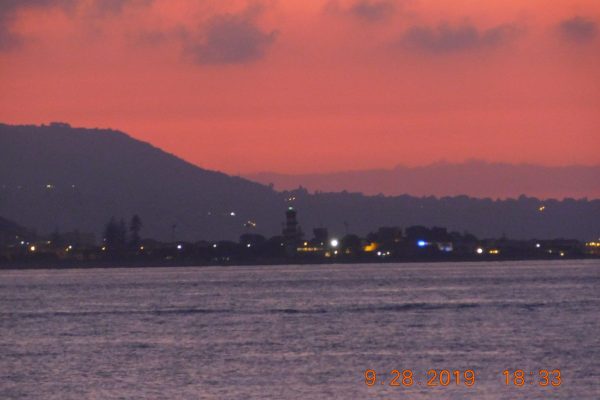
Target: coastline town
(122, 245)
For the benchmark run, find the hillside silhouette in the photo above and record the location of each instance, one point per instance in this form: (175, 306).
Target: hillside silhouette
(59, 178)
(474, 178)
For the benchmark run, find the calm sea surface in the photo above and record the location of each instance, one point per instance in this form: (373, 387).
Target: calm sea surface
(299, 332)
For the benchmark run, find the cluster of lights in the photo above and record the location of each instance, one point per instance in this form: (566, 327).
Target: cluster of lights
(541, 208)
(593, 244)
(481, 250)
(383, 253)
(306, 249)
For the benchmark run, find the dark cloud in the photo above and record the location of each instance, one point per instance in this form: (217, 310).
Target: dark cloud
(578, 29)
(372, 11)
(104, 8)
(9, 10)
(229, 39)
(446, 38)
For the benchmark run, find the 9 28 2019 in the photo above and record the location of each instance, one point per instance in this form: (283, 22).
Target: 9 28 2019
(409, 378)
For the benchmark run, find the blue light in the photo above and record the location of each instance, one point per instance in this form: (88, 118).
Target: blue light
(421, 243)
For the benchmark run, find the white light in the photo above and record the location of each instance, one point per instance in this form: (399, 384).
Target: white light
(32, 248)
(248, 245)
(214, 246)
(334, 242)
(537, 245)
(379, 253)
(479, 250)
(179, 247)
(232, 214)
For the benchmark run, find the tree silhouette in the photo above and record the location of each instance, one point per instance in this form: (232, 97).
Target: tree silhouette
(115, 234)
(135, 225)
(122, 234)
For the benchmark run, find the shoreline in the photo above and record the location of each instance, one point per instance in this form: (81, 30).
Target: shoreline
(185, 263)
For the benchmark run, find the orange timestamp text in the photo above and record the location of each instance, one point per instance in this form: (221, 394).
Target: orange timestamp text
(408, 378)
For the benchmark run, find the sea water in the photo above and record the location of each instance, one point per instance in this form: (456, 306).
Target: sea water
(301, 331)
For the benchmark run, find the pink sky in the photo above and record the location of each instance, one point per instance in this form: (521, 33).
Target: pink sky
(299, 86)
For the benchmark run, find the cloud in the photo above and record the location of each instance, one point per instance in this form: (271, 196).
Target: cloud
(9, 10)
(104, 8)
(364, 10)
(372, 11)
(229, 39)
(447, 38)
(578, 29)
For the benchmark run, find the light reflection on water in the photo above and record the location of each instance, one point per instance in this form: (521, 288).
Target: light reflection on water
(302, 332)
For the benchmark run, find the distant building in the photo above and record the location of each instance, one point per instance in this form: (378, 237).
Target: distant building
(321, 236)
(292, 234)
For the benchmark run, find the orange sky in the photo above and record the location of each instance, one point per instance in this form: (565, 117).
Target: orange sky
(305, 86)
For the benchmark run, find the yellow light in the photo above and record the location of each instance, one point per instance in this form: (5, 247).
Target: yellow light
(494, 251)
(542, 208)
(308, 249)
(103, 248)
(141, 247)
(370, 247)
(32, 248)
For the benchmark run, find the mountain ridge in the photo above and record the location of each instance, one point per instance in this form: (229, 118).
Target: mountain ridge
(58, 178)
(473, 177)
